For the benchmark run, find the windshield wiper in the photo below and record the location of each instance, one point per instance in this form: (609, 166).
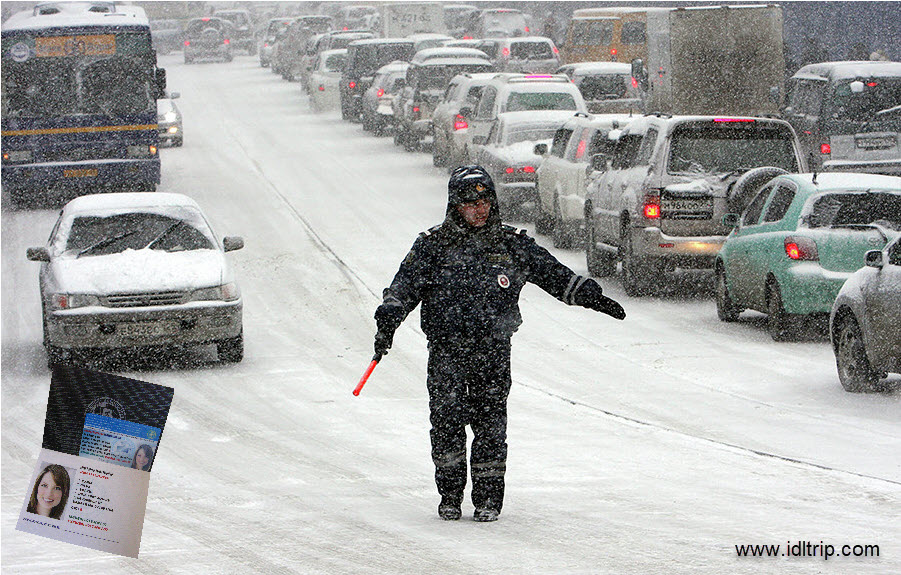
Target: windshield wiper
(165, 233)
(105, 242)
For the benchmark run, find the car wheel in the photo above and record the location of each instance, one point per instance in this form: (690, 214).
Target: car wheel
(543, 222)
(726, 310)
(601, 263)
(854, 369)
(779, 324)
(231, 350)
(188, 60)
(410, 141)
(637, 277)
(561, 236)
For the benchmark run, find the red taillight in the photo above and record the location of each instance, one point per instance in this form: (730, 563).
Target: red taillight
(60, 301)
(872, 84)
(509, 170)
(379, 93)
(460, 123)
(187, 42)
(352, 85)
(529, 169)
(265, 44)
(614, 51)
(556, 51)
(416, 109)
(321, 88)
(526, 29)
(730, 120)
(205, 19)
(505, 52)
(651, 208)
(467, 37)
(226, 41)
(801, 249)
(344, 29)
(634, 82)
(825, 149)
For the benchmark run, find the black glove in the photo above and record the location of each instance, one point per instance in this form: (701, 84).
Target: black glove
(388, 318)
(383, 341)
(591, 295)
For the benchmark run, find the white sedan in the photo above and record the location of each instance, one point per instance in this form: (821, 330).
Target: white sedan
(137, 269)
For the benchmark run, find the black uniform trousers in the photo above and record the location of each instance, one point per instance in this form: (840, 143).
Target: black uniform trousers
(468, 383)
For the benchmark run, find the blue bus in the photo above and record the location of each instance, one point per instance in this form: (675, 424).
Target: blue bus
(79, 91)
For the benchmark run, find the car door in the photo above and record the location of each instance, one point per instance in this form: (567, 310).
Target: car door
(806, 100)
(551, 166)
(882, 295)
(612, 186)
(734, 253)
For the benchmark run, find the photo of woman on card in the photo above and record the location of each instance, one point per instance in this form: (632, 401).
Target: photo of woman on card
(50, 492)
(143, 458)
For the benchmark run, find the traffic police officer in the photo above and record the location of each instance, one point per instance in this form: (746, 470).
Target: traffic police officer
(468, 272)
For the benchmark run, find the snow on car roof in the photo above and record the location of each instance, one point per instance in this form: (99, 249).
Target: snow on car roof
(127, 201)
(848, 181)
(536, 117)
(598, 68)
(848, 69)
(430, 53)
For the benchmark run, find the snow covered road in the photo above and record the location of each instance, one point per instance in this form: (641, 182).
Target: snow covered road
(653, 445)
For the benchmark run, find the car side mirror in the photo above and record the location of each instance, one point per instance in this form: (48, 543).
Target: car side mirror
(232, 243)
(42, 255)
(873, 259)
(599, 162)
(540, 149)
(731, 220)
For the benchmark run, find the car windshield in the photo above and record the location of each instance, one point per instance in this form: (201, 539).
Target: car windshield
(519, 101)
(95, 235)
(726, 147)
(873, 207)
(527, 133)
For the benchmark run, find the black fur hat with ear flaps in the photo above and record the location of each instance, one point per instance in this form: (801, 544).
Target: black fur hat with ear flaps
(468, 184)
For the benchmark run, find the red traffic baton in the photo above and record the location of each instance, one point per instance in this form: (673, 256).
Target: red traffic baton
(367, 373)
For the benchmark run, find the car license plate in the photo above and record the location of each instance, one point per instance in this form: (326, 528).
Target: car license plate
(145, 329)
(876, 143)
(688, 205)
(86, 173)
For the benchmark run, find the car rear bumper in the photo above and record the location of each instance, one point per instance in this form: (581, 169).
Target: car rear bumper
(887, 167)
(690, 252)
(807, 288)
(95, 327)
(100, 173)
(517, 192)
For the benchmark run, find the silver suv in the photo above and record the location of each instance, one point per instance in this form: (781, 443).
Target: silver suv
(658, 203)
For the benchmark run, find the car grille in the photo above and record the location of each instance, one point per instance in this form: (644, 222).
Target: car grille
(145, 299)
(80, 154)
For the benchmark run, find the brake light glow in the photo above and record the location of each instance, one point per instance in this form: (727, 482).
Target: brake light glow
(872, 84)
(460, 123)
(226, 41)
(529, 169)
(416, 109)
(556, 51)
(187, 42)
(825, 149)
(205, 19)
(651, 208)
(321, 88)
(379, 93)
(614, 51)
(509, 170)
(634, 82)
(748, 120)
(506, 52)
(527, 29)
(801, 249)
(352, 85)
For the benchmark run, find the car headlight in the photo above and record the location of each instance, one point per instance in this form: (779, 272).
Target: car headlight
(226, 292)
(170, 116)
(60, 301)
(17, 156)
(142, 151)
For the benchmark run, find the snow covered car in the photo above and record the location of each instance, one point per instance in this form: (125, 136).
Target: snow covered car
(798, 241)
(169, 121)
(864, 321)
(137, 269)
(527, 55)
(449, 127)
(508, 153)
(324, 80)
(275, 31)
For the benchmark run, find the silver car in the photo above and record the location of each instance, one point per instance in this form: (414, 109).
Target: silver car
(864, 321)
(169, 121)
(137, 269)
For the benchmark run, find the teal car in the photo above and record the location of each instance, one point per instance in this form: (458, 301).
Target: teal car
(798, 241)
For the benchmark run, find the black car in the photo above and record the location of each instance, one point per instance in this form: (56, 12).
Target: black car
(364, 57)
(208, 37)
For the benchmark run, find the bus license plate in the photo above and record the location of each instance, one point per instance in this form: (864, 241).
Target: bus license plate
(81, 173)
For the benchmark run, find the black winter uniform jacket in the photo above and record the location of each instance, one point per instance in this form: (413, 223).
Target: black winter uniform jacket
(469, 281)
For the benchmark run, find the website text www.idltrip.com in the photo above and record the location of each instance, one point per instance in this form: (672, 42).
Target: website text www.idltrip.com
(822, 550)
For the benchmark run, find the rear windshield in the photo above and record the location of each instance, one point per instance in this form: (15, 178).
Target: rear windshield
(196, 27)
(518, 134)
(603, 87)
(367, 59)
(720, 148)
(592, 32)
(435, 77)
(875, 207)
(531, 51)
(878, 94)
(519, 101)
